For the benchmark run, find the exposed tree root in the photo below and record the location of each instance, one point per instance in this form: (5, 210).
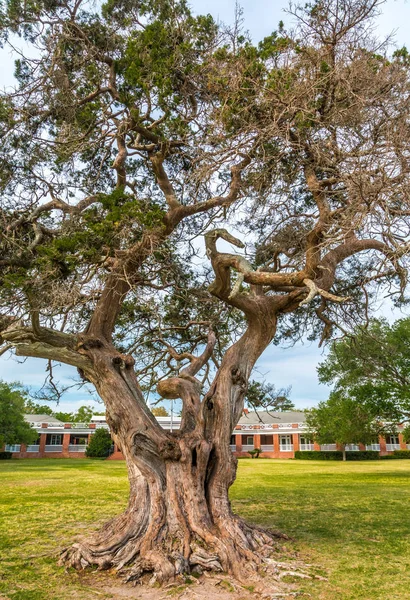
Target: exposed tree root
(135, 552)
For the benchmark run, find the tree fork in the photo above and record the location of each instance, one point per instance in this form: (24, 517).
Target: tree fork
(179, 516)
(169, 529)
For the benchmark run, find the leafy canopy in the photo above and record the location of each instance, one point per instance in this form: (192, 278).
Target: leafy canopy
(373, 367)
(13, 428)
(136, 127)
(343, 420)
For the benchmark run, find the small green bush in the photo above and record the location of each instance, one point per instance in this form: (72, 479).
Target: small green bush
(5, 455)
(100, 444)
(397, 454)
(336, 455)
(319, 455)
(363, 455)
(255, 452)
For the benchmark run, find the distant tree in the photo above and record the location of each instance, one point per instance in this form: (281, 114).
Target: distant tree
(13, 428)
(373, 367)
(343, 420)
(160, 411)
(65, 417)
(33, 408)
(100, 444)
(83, 414)
(264, 395)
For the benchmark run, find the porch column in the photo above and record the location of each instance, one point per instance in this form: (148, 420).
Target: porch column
(403, 445)
(316, 446)
(66, 443)
(295, 442)
(238, 441)
(257, 440)
(383, 449)
(66, 440)
(276, 449)
(42, 447)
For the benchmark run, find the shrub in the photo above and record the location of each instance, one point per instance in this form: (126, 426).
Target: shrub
(336, 455)
(255, 452)
(100, 444)
(5, 455)
(318, 455)
(397, 454)
(363, 455)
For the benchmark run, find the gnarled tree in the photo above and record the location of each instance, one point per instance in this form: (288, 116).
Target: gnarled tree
(134, 130)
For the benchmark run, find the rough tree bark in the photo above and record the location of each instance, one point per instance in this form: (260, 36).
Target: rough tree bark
(179, 515)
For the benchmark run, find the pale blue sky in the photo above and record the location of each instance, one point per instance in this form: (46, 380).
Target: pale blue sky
(284, 367)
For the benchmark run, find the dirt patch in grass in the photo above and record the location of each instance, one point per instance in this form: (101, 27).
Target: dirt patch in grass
(206, 587)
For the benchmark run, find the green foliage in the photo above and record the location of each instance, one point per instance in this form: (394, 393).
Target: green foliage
(131, 105)
(5, 455)
(363, 455)
(406, 433)
(255, 452)
(100, 444)
(13, 428)
(318, 455)
(343, 420)
(337, 455)
(83, 415)
(397, 454)
(65, 417)
(373, 367)
(33, 408)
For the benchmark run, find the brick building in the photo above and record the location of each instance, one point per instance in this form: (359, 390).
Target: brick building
(278, 435)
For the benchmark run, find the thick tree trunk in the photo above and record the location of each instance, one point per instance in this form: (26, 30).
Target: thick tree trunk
(169, 529)
(179, 515)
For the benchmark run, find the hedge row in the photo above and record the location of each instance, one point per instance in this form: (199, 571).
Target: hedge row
(337, 455)
(397, 454)
(5, 455)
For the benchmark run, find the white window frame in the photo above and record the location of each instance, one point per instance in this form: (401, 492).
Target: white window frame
(53, 439)
(285, 440)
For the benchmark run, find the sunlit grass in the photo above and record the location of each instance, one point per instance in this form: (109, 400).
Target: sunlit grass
(350, 519)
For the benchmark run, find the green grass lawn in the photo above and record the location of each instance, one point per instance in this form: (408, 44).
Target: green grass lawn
(350, 519)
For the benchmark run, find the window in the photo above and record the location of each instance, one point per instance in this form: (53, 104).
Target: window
(305, 440)
(233, 440)
(55, 440)
(393, 439)
(249, 440)
(285, 440)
